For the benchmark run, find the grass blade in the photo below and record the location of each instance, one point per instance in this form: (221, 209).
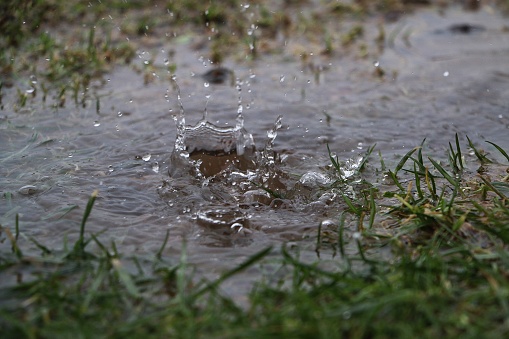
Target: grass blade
(365, 158)
(419, 153)
(458, 152)
(334, 161)
(504, 153)
(405, 159)
(165, 241)
(318, 240)
(246, 264)
(14, 242)
(395, 180)
(372, 205)
(444, 173)
(492, 187)
(43, 248)
(79, 247)
(482, 158)
(125, 278)
(351, 206)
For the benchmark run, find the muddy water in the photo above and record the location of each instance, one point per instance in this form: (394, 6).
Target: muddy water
(439, 80)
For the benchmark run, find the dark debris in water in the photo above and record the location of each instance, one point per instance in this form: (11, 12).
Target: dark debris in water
(462, 29)
(218, 75)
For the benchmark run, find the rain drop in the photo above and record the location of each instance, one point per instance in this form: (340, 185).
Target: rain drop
(446, 74)
(97, 123)
(28, 190)
(146, 157)
(155, 167)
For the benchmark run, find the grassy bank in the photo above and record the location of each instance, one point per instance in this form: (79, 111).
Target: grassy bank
(56, 49)
(447, 229)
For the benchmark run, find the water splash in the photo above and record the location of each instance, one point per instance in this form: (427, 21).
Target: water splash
(268, 155)
(220, 171)
(220, 180)
(209, 148)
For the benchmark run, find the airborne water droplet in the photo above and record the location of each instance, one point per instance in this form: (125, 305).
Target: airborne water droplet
(97, 123)
(155, 167)
(146, 157)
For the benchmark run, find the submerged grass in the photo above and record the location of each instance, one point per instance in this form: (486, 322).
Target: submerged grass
(445, 272)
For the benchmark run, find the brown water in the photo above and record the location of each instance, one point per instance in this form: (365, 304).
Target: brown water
(438, 81)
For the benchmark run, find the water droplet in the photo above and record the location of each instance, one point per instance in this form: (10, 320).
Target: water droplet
(119, 113)
(376, 63)
(146, 157)
(446, 74)
(282, 78)
(155, 167)
(315, 179)
(110, 168)
(146, 62)
(251, 29)
(28, 190)
(97, 123)
(206, 84)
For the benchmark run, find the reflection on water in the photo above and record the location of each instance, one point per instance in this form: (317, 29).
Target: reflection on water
(226, 185)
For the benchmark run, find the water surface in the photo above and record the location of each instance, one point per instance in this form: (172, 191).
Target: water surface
(437, 81)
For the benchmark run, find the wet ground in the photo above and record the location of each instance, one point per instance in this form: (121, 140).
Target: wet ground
(438, 73)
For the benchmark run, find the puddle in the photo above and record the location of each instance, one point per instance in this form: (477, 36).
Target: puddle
(238, 178)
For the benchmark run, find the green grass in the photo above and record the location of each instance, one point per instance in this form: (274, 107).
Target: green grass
(67, 44)
(444, 231)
